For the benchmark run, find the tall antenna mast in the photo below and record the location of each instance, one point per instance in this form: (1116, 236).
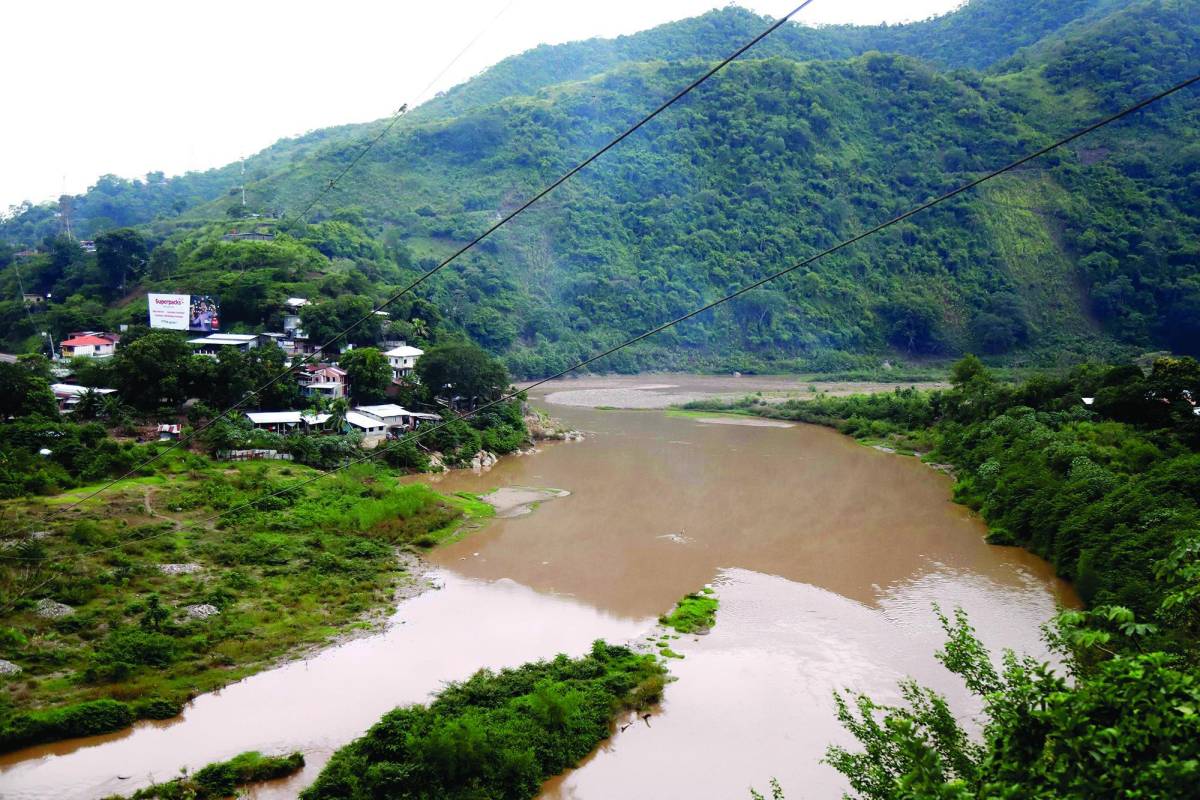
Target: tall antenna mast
(243, 182)
(64, 208)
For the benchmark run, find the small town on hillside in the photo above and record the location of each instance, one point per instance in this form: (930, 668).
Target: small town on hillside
(323, 382)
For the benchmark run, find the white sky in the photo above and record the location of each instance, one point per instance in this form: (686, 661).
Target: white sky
(130, 86)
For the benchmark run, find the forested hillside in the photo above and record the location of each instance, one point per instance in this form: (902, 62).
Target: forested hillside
(811, 137)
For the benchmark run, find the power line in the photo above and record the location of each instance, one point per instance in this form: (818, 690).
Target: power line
(412, 437)
(395, 118)
(400, 112)
(426, 275)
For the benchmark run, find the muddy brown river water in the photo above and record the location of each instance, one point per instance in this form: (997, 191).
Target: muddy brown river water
(827, 557)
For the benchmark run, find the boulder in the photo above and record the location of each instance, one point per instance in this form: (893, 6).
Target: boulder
(52, 609)
(201, 611)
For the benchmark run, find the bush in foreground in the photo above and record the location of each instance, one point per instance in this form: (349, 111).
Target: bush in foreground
(223, 778)
(496, 735)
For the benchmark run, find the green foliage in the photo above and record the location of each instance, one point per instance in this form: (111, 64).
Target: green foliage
(695, 613)
(1106, 493)
(25, 392)
(287, 569)
(21, 729)
(462, 370)
(369, 374)
(1128, 727)
(497, 734)
(816, 135)
(156, 369)
(224, 778)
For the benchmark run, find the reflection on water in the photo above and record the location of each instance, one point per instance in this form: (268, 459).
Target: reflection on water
(830, 556)
(319, 704)
(662, 503)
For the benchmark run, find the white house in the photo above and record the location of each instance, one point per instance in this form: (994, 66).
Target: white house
(69, 394)
(403, 360)
(285, 421)
(373, 429)
(390, 414)
(213, 344)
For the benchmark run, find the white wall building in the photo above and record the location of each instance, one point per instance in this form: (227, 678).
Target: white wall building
(403, 360)
(212, 344)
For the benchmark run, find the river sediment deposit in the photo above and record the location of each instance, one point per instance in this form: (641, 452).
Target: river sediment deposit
(827, 557)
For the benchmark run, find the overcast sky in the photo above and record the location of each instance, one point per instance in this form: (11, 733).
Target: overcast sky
(127, 87)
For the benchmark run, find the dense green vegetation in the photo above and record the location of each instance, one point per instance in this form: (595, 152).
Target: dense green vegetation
(1104, 492)
(223, 779)
(1108, 492)
(139, 636)
(696, 612)
(811, 137)
(496, 735)
(1125, 727)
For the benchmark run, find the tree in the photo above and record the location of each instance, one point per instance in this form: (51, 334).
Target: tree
(462, 369)
(25, 392)
(1125, 727)
(324, 321)
(120, 254)
(368, 373)
(154, 370)
(239, 373)
(913, 323)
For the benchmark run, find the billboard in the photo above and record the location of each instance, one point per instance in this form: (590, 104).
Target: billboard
(185, 312)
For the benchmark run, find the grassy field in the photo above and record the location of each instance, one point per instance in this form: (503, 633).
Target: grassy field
(128, 606)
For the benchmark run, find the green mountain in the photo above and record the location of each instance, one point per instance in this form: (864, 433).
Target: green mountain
(811, 137)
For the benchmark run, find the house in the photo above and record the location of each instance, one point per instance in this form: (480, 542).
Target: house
(68, 395)
(403, 360)
(285, 421)
(214, 343)
(322, 379)
(169, 433)
(373, 429)
(87, 245)
(393, 417)
(89, 344)
(32, 299)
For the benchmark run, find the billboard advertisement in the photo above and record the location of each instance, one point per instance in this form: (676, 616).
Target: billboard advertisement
(184, 312)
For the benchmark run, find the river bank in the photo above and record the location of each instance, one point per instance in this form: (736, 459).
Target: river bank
(836, 595)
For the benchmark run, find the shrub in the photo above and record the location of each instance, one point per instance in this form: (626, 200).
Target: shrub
(81, 719)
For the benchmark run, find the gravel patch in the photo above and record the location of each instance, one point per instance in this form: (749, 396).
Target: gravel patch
(179, 569)
(52, 609)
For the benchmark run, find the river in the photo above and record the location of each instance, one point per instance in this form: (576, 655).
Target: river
(827, 557)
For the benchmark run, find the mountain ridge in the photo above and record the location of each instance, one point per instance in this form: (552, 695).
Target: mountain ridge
(1084, 252)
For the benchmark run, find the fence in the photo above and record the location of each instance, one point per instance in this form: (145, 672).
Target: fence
(253, 455)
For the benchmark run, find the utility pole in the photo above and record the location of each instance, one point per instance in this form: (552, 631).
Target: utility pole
(243, 183)
(64, 208)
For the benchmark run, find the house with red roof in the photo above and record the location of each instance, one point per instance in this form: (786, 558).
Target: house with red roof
(89, 344)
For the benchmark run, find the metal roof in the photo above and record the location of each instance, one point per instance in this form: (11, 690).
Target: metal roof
(362, 420)
(384, 411)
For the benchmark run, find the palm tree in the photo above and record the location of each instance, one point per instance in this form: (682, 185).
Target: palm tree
(90, 405)
(113, 409)
(420, 329)
(337, 412)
